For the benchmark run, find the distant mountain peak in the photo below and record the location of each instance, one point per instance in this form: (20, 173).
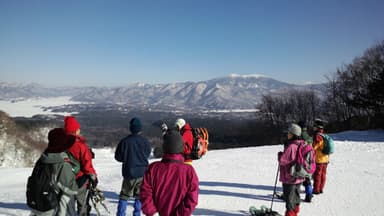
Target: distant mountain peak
(234, 75)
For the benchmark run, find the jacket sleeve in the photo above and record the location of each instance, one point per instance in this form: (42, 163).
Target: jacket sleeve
(288, 156)
(86, 160)
(146, 194)
(191, 199)
(119, 152)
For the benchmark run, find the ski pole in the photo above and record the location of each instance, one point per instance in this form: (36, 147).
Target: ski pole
(274, 188)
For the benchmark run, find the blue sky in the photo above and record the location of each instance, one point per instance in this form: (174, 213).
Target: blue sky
(107, 43)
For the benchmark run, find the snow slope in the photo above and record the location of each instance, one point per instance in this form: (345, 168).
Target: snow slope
(232, 180)
(34, 106)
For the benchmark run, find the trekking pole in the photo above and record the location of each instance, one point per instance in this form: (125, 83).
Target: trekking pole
(274, 188)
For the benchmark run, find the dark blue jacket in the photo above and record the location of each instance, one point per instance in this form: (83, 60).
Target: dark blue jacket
(133, 151)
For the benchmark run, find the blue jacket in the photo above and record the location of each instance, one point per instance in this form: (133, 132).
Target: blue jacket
(133, 151)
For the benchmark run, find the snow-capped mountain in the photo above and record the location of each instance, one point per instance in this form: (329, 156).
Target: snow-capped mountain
(232, 92)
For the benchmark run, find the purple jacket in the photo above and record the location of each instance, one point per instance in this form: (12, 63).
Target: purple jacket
(170, 187)
(286, 161)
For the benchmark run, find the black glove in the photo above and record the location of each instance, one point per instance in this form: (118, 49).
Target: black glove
(93, 180)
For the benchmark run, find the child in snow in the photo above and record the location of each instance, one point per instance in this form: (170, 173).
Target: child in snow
(322, 159)
(307, 183)
(170, 187)
(87, 174)
(291, 185)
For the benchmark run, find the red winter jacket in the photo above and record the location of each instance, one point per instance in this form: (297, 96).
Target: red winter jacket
(81, 153)
(186, 132)
(170, 187)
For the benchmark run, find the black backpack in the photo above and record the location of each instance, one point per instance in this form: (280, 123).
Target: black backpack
(42, 187)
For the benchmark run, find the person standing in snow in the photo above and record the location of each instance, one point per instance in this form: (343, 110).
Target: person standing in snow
(170, 187)
(307, 183)
(87, 174)
(133, 151)
(55, 155)
(186, 132)
(287, 158)
(322, 159)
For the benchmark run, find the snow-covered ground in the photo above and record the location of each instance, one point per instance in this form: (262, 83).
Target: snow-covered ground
(234, 179)
(34, 106)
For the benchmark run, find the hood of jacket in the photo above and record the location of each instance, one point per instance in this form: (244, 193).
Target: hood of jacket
(59, 141)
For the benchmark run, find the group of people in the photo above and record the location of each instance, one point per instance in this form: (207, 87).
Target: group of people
(166, 187)
(169, 186)
(297, 134)
(152, 187)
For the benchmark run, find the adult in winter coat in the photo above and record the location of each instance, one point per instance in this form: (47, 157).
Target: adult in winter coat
(170, 187)
(133, 151)
(186, 132)
(322, 159)
(56, 156)
(87, 174)
(287, 158)
(307, 182)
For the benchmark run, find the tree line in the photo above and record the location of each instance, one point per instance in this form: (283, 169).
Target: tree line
(354, 97)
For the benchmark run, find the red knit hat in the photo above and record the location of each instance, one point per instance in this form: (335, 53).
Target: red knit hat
(70, 124)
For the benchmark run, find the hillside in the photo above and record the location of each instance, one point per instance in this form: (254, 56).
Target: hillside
(19, 146)
(232, 180)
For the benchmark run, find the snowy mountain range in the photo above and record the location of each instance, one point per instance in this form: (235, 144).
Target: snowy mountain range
(231, 92)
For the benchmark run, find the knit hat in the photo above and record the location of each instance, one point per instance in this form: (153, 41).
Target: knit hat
(173, 142)
(59, 141)
(303, 125)
(179, 123)
(318, 123)
(70, 124)
(135, 125)
(294, 129)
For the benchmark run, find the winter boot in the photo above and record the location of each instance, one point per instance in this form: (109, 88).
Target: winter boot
(308, 193)
(137, 208)
(121, 208)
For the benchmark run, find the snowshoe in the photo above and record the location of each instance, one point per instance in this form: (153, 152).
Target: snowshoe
(263, 211)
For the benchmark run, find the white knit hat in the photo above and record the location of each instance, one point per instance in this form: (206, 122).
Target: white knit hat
(294, 129)
(179, 123)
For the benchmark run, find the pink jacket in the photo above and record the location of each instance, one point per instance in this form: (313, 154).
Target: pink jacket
(170, 187)
(286, 161)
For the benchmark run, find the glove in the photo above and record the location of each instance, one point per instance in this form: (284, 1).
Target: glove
(93, 180)
(164, 128)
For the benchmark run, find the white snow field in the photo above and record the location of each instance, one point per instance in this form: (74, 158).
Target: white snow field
(234, 179)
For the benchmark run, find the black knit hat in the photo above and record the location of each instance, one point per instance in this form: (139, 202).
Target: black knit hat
(173, 142)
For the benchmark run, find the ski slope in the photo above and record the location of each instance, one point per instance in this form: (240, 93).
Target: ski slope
(234, 179)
